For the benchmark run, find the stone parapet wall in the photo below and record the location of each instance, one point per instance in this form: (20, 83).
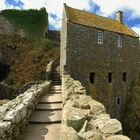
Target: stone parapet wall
(84, 118)
(15, 114)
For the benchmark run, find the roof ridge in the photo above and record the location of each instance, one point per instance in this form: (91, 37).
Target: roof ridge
(94, 14)
(93, 20)
(131, 29)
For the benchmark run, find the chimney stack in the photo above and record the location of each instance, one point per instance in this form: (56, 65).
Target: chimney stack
(119, 16)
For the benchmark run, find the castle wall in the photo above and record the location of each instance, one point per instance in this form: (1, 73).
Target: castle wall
(84, 55)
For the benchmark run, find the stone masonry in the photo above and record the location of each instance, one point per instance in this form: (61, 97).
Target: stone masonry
(15, 114)
(81, 56)
(84, 118)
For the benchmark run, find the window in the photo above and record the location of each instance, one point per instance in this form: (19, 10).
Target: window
(92, 78)
(118, 100)
(124, 76)
(119, 41)
(100, 37)
(109, 77)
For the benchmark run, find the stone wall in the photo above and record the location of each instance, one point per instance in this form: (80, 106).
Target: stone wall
(84, 118)
(7, 28)
(54, 35)
(82, 55)
(6, 91)
(15, 114)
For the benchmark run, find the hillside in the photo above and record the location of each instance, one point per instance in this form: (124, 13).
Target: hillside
(32, 22)
(24, 61)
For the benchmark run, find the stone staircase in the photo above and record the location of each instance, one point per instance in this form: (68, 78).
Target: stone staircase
(45, 122)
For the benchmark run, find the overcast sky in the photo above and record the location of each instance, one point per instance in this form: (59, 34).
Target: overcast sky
(105, 8)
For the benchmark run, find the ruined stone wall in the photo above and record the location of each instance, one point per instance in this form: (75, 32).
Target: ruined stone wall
(84, 118)
(5, 26)
(15, 114)
(84, 55)
(54, 35)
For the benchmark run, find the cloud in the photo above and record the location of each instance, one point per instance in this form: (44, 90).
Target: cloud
(2, 5)
(55, 7)
(137, 29)
(102, 7)
(14, 3)
(110, 6)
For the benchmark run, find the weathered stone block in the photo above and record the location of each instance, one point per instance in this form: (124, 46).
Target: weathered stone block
(68, 133)
(74, 117)
(96, 108)
(117, 137)
(91, 135)
(107, 126)
(82, 101)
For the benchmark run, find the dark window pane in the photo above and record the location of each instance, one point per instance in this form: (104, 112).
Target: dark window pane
(92, 77)
(124, 76)
(109, 77)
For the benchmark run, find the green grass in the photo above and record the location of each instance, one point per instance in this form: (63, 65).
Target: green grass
(32, 21)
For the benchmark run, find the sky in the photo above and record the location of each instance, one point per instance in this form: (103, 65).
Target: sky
(106, 8)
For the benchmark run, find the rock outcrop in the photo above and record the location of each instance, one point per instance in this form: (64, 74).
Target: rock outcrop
(5, 26)
(84, 118)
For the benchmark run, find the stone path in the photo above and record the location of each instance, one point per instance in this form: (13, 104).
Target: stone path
(45, 122)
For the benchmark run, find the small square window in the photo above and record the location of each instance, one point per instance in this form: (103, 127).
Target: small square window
(119, 41)
(100, 37)
(92, 78)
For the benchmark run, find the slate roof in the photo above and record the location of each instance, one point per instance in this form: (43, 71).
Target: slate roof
(92, 20)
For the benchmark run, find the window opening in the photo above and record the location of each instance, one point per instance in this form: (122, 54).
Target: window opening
(110, 77)
(124, 76)
(100, 37)
(92, 78)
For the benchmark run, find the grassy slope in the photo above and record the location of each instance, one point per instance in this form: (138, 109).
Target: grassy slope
(33, 22)
(29, 58)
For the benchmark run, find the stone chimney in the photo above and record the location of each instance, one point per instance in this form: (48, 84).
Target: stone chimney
(119, 16)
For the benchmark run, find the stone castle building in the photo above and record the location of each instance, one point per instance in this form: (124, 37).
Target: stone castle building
(102, 53)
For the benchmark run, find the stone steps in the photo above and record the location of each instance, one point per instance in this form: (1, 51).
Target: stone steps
(55, 92)
(56, 83)
(54, 106)
(42, 132)
(45, 121)
(46, 117)
(51, 98)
